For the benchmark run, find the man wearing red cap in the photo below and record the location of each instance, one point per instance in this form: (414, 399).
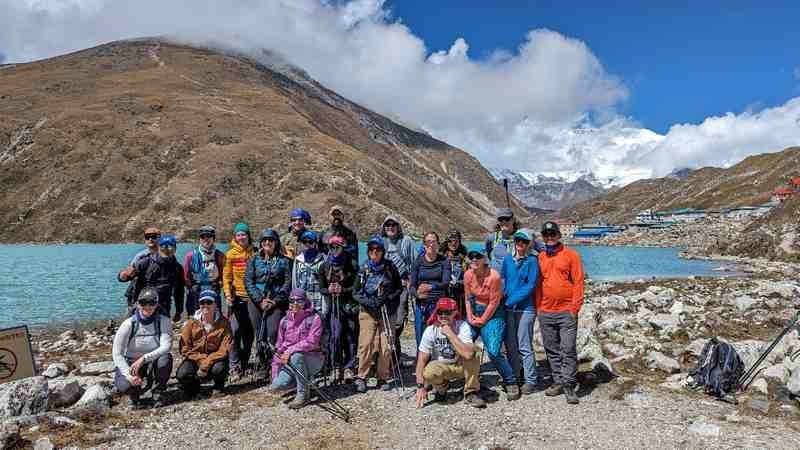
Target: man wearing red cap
(446, 352)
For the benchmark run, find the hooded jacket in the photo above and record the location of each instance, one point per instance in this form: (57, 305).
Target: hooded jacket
(163, 274)
(269, 277)
(205, 347)
(297, 332)
(234, 270)
(399, 249)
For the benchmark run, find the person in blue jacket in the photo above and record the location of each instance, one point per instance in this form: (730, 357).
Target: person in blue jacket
(520, 274)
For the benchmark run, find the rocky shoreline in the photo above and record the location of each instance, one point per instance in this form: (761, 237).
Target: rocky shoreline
(637, 341)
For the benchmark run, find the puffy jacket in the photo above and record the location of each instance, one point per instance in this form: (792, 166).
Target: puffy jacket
(205, 348)
(306, 276)
(163, 274)
(365, 292)
(562, 281)
(400, 249)
(297, 332)
(269, 277)
(520, 277)
(234, 270)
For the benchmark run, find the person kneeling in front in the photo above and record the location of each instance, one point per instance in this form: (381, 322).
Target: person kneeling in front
(297, 352)
(204, 344)
(446, 353)
(141, 351)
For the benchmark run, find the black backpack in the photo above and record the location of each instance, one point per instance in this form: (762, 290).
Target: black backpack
(718, 369)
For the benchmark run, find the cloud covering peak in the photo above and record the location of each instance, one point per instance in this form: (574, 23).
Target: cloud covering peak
(548, 105)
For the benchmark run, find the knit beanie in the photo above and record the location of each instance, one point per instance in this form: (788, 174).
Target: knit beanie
(241, 227)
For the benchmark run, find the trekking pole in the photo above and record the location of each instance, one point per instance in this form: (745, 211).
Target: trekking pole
(261, 346)
(389, 332)
(745, 380)
(505, 186)
(336, 409)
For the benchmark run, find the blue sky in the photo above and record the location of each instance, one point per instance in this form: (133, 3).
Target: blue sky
(682, 61)
(624, 90)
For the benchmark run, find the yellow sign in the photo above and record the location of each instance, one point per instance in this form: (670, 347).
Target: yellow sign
(16, 357)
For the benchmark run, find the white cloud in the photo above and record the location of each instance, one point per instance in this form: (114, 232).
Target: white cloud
(548, 105)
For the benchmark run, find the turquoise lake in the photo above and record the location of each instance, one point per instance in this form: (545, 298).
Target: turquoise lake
(47, 284)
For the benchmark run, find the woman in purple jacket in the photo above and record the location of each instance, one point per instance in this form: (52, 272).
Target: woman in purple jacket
(298, 345)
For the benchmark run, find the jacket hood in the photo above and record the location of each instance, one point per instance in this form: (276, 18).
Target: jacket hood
(294, 318)
(269, 233)
(391, 218)
(237, 250)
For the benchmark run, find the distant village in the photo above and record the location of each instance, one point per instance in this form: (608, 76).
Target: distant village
(651, 219)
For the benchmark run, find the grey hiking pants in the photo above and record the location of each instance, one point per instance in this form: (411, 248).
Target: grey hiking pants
(559, 331)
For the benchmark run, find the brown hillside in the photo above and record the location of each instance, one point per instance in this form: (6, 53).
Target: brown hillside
(97, 144)
(749, 182)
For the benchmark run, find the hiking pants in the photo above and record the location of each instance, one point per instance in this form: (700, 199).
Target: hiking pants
(270, 335)
(400, 318)
(422, 312)
(519, 344)
(157, 372)
(190, 382)
(344, 340)
(439, 373)
(371, 340)
(308, 364)
(245, 320)
(559, 331)
(492, 335)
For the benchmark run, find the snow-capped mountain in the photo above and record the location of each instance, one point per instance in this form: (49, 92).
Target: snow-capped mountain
(555, 190)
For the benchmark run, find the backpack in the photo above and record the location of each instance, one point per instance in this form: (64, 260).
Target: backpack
(135, 328)
(718, 369)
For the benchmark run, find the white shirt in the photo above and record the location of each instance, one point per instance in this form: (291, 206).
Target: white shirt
(436, 344)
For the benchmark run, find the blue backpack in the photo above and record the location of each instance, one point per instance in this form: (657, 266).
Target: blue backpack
(718, 369)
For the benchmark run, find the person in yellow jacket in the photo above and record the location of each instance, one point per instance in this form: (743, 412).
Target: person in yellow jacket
(244, 315)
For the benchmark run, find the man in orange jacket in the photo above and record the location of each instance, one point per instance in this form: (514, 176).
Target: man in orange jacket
(558, 304)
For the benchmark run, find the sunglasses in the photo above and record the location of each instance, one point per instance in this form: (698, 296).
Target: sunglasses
(308, 242)
(147, 303)
(549, 234)
(390, 225)
(297, 219)
(207, 236)
(297, 301)
(268, 240)
(504, 219)
(445, 312)
(431, 241)
(151, 237)
(336, 247)
(206, 301)
(453, 241)
(375, 248)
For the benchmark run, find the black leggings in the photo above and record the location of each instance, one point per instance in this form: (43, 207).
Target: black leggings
(190, 382)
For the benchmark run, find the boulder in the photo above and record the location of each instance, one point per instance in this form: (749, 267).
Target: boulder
(589, 317)
(43, 443)
(666, 322)
(674, 382)
(760, 386)
(96, 398)
(55, 370)
(659, 361)
(744, 302)
(10, 437)
(69, 335)
(777, 373)
(749, 351)
(695, 348)
(615, 302)
(589, 350)
(64, 393)
(23, 397)
(614, 349)
(97, 368)
(678, 308)
(777, 289)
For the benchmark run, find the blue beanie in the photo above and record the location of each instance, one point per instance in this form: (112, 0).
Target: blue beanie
(308, 234)
(301, 213)
(167, 240)
(375, 241)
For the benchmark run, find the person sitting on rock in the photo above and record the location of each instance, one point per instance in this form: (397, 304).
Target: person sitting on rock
(204, 344)
(558, 306)
(485, 312)
(141, 351)
(447, 353)
(297, 353)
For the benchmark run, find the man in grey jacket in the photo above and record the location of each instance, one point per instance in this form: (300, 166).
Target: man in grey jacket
(400, 251)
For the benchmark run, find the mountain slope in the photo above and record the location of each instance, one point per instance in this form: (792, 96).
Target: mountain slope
(749, 182)
(551, 191)
(97, 144)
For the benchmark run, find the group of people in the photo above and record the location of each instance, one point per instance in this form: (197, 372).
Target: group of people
(309, 308)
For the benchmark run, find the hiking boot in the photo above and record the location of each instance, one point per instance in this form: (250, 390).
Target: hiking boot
(261, 375)
(512, 392)
(474, 400)
(387, 386)
(158, 399)
(554, 390)
(440, 397)
(360, 385)
(235, 375)
(218, 391)
(135, 403)
(298, 402)
(529, 388)
(348, 375)
(572, 398)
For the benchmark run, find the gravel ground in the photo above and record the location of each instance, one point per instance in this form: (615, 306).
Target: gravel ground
(618, 414)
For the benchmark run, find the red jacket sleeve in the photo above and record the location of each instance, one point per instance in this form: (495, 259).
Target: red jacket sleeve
(576, 272)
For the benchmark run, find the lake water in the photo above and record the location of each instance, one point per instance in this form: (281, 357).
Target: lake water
(43, 284)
